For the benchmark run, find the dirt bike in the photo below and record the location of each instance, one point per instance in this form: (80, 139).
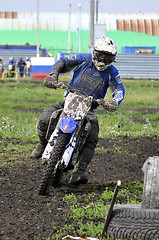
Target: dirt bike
(67, 139)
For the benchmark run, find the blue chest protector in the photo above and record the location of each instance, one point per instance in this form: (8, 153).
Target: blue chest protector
(89, 80)
(93, 82)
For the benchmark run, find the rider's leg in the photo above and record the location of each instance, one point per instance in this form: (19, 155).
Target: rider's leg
(84, 158)
(87, 153)
(42, 129)
(38, 151)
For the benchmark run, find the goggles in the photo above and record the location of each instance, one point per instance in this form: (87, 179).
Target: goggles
(104, 57)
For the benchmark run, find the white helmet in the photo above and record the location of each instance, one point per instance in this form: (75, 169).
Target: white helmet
(104, 53)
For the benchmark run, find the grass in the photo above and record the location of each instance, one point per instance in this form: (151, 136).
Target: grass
(19, 100)
(88, 214)
(140, 94)
(22, 102)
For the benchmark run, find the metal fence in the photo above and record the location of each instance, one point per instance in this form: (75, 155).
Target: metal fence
(138, 65)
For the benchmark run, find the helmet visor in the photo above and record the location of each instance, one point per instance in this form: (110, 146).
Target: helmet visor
(104, 57)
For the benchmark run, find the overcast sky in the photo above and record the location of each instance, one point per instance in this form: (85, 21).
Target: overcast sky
(63, 5)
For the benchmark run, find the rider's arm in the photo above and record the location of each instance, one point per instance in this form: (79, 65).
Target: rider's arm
(67, 64)
(117, 90)
(116, 86)
(63, 66)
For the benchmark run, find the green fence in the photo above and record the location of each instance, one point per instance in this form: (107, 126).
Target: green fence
(55, 41)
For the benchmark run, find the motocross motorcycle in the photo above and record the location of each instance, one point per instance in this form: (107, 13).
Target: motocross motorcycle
(67, 139)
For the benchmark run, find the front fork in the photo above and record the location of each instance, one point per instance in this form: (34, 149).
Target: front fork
(75, 142)
(54, 138)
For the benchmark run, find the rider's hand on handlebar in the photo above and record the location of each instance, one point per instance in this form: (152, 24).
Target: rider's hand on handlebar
(51, 81)
(111, 105)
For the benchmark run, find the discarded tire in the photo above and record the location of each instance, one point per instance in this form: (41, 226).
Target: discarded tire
(132, 222)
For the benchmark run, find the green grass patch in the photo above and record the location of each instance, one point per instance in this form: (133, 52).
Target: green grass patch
(137, 115)
(88, 217)
(141, 102)
(10, 152)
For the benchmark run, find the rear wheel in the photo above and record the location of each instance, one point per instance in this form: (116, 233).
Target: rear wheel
(54, 158)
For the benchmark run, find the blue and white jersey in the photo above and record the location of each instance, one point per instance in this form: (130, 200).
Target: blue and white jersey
(88, 79)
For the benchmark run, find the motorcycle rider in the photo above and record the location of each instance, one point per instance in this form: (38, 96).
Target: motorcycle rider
(93, 73)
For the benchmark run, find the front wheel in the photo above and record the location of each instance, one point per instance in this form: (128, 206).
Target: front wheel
(56, 155)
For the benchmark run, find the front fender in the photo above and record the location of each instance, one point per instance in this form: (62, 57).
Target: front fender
(68, 124)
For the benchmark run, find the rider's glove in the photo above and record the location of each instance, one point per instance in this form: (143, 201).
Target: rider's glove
(111, 105)
(51, 81)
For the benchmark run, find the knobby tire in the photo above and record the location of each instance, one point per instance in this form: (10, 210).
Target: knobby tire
(56, 155)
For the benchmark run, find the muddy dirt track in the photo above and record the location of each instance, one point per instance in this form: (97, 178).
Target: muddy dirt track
(25, 215)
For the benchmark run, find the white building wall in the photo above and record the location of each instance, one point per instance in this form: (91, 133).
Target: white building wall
(59, 21)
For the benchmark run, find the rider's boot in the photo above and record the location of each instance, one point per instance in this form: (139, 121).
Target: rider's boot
(84, 158)
(38, 151)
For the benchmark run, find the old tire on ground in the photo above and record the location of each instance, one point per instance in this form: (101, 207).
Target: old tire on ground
(54, 158)
(132, 222)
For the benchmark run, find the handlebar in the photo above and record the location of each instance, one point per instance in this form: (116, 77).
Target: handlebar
(95, 102)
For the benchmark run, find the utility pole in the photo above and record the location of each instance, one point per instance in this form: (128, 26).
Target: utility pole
(37, 48)
(97, 1)
(79, 28)
(91, 28)
(69, 27)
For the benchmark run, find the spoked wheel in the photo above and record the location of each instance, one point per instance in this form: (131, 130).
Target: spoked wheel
(54, 158)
